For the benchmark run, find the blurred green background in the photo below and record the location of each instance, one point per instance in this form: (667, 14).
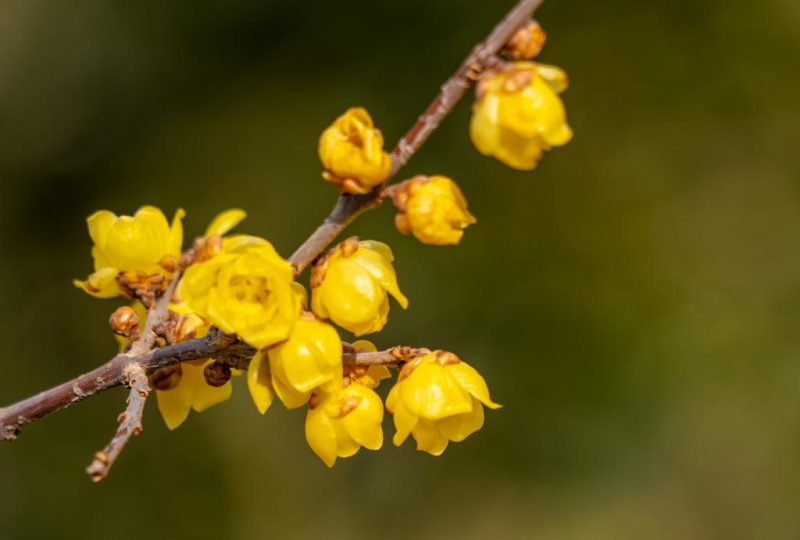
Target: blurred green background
(634, 302)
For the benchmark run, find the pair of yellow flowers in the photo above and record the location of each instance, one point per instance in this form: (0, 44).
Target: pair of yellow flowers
(249, 290)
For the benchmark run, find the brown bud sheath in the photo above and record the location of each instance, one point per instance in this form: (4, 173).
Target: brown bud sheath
(166, 378)
(527, 42)
(217, 374)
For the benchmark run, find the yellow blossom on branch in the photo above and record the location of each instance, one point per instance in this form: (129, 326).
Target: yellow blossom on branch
(437, 399)
(339, 424)
(311, 358)
(135, 244)
(351, 286)
(518, 113)
(351, 150)
(434, 210)
(246, 290)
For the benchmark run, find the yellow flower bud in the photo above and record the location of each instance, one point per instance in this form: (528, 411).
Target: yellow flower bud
(246, 290)
(351, 150)
(437, 399)
(435, 211)
(369, 376)
(311, 358)
(518, 114)
(339, 424)
(130, 244)
(351, 286)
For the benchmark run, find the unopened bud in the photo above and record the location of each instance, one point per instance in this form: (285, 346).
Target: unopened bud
(527, 42)
(168, 263)
(166, 378)
(125, 322)
(217, 374)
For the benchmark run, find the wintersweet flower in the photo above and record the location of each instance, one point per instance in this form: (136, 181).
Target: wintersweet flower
(311, 358)
(339, 424)
(437, 399)
(434, 210)
(369, 376)
(351, 286)
(351, 150)
(143, 244)
(518, 113)
(246, 290)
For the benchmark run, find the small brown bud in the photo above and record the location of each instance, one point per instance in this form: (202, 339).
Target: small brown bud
(168, 263)
(527, 42)
(217, 374)
(125, 322)
(166, 378)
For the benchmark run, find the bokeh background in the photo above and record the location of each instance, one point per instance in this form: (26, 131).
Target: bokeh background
(634, 302)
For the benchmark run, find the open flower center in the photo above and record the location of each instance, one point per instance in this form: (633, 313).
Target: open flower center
(249, 290)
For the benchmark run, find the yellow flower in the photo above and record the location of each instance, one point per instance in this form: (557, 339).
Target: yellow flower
(518, 114)
(189, 389)
(311, 358)
(351, 150)
(369, 376)
(435, 211)
(130, 244)
(351, 286)
(338, 424)
(246, 290)
(437, 399)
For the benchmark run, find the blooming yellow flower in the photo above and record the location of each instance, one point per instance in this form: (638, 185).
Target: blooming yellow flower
(338, 424)
(435, 211)
(437, 399)
(369, 376)
(518, 114)
(311, 358)
(130, 244)
(351, 150)
(351, 286)
(246, 290)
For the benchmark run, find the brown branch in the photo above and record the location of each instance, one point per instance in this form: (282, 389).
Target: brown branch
(130, 423)
(349, 207)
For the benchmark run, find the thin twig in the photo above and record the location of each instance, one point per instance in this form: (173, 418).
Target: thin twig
(347, 208)
(130, 423)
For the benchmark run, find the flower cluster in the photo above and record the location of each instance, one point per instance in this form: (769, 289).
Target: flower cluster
(241, 286)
